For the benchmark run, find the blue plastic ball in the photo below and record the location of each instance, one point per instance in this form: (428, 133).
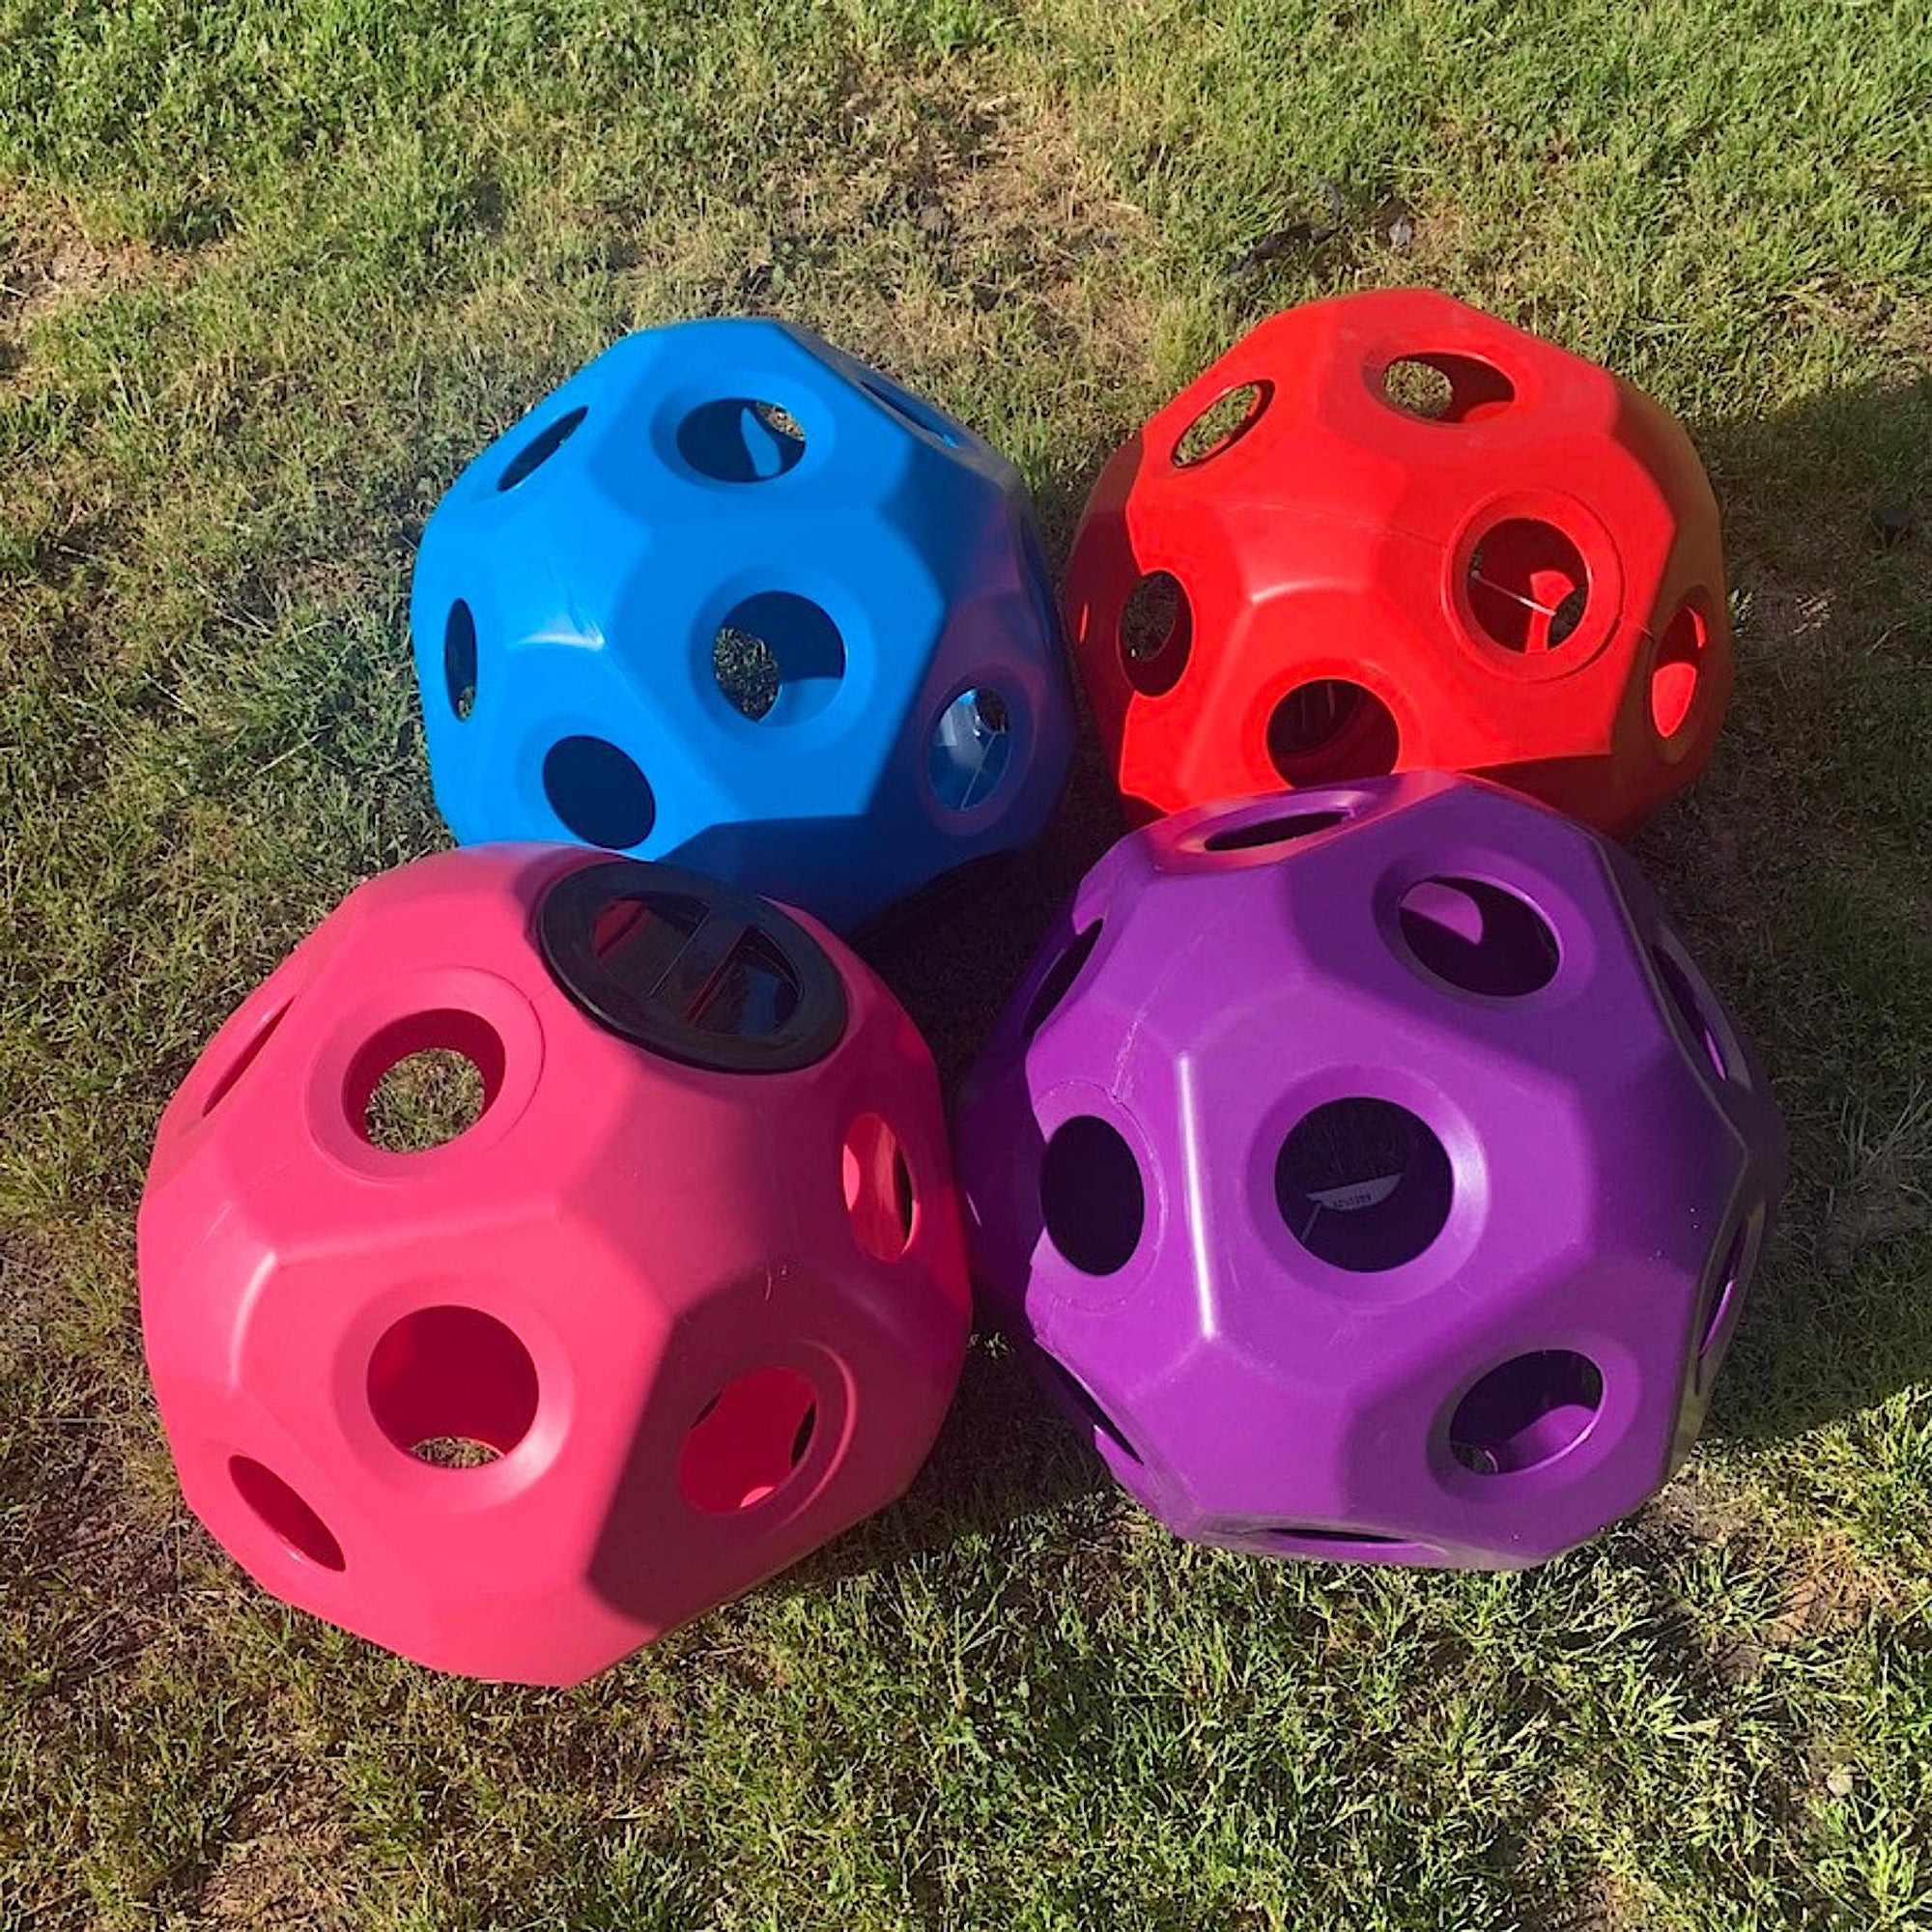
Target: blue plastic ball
(733, 598)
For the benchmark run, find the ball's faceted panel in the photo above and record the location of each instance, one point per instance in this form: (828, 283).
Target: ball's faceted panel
(1373, 1172)
(1387, 532)
(549, 1250)
(731, 597)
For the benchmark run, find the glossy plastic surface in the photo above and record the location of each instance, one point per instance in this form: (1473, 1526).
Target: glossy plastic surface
(637, 1338)
(1373, 1174)
(1389, 532)
(732, 598)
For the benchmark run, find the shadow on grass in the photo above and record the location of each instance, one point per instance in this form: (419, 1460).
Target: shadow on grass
(1802, 868)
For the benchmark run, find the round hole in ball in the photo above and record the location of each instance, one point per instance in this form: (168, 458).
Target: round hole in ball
(1283, 829)
(1675, 668)
(1447, 388)
(1528, 586)
(1331, 730)
(423, 1079)
(1221, 425)
(424, 1100)
(1321, 1540)
(911, 408)
(1093, 1203)
(778, 658)
(1060, 978)
(1363, 1184)
(459, 660)
(971, 749)
(1526, 1412)
(284, 1514)
(598, 793)
(452, 1387)
(1726, 1286)
(747, 1440)
(877, 1182)
(740, 440)
(540, 448)
(1081, 1400)
(1688, 1005)
(1478, 937)
(250, 1052)
(1156, 632)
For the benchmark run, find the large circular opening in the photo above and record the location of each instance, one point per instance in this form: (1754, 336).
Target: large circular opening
(424, 1079)
(740, 440)
(1674, 670)
(1478, 937)
(599, 793)
(284, 1514)
(1156, 634)
(1221, 425)
(1528, 586)
(452, 1387)
(1363, 1184)
(747, 1441)
(877, 1182)
(1329, 731)
(1092, 1200)
(778, 658)
(1526, 1412)
(459, 661)
(971, 749)
(540, 448)
(1446, 389)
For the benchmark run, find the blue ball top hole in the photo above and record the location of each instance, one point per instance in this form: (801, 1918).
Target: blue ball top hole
(740, 440)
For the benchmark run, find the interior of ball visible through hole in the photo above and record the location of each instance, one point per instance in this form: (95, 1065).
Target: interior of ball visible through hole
(1675, 668)
(1156, 634)
(1092, 1199)
(284, 1514)
(1528, 586)
(1526, 1412)
(1723, 1292)
(598, 793)
(1363, 1184)
(971, 749)
(1478, 936)
(1081, 1400)
(877, 1183)
(740, 440)
(452, 1387)
(1331, 729)
(747, 1441)
(1060, 978)
(1690, 1005)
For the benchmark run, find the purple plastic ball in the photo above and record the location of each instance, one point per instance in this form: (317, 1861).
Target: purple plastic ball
(1373, 1173)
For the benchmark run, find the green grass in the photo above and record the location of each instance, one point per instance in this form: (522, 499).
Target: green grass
(271, 276)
